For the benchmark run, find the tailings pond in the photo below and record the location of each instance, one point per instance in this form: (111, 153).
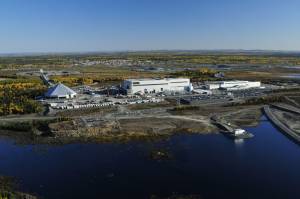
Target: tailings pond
(210, 166)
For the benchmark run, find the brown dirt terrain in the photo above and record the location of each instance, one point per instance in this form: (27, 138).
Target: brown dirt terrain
(152, 125)
(133, 127)
(125, 124)
(247, 116)
(289, 119)
(295, 100)
(166, 125)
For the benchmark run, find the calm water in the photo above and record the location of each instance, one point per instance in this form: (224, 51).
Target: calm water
(212, 166)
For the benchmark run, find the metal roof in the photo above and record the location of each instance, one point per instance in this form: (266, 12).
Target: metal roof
(59, 90)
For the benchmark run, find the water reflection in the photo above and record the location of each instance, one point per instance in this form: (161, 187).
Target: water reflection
(239, 142)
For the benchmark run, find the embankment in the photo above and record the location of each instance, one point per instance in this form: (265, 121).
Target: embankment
(285, 129)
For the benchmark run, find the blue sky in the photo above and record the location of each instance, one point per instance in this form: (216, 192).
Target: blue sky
(108, 25)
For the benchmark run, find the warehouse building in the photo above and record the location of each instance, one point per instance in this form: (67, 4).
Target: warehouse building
(60, 91)
(133, 86)
(239, 85)
(232, 85)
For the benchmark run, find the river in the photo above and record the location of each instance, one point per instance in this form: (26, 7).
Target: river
(211, 166)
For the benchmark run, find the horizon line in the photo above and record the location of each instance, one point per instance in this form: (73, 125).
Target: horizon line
(37, 53)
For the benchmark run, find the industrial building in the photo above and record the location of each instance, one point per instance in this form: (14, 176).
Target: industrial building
(202, 91)
(132, 86)
(232, 85)
(60, 91)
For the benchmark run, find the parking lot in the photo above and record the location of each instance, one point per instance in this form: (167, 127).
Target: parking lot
(88, 97)
(226, 96)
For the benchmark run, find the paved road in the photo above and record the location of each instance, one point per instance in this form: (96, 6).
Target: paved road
(25, 118)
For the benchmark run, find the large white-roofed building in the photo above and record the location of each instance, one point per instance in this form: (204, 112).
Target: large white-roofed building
(132, 86)
(60, 91)
(233, 85)
(239, 85)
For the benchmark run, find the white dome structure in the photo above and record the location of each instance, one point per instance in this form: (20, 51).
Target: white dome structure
(60, 91)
